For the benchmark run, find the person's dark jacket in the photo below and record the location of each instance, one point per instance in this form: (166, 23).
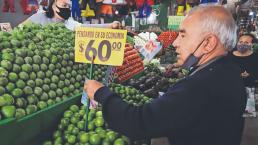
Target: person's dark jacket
(203, 109)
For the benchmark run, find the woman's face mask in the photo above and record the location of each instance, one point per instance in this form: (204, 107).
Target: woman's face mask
(65, 13)
(242, 48)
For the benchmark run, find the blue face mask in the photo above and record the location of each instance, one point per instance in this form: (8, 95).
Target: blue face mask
(242, 48)
(192, 60)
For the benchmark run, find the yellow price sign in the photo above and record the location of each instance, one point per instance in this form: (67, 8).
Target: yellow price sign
(105, 45)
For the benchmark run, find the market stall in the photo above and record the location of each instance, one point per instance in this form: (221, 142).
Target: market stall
(43, 70)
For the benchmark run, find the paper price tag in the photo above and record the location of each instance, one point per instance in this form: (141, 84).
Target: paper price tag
(150, 50)
(106, 45)
(84, 98)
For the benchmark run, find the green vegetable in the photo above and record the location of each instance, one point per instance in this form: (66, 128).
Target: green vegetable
(50, 102)
(3, 81)
(58, 66)
(20, 102)
(20, 53)
(20, 113)
(6, 64)
(44, 97)
(20, 84)
(45, 60)
(42, 105)
(43, 67)
(26, 68)
(38, 91)
(17, 92)
(74, 74)
(31, 109)
(35, 67)
(37, 59)
(3, 72)
(33, 76)
(16, 68)
(13, 77)
(9, 87)
(8, 111)
(28, 60)
(41, 74)
(57, 72)
(2, 90)
(62, 77)
(2, 101)
(28, 90)
(49, 74)
(52, 94)
(54, 59)
(53, 86)
(31, 83)
(51, 67)
(47, 81)
(45, 88)
(66, 90)
(24, 76)
(54, 79)
(8, 56)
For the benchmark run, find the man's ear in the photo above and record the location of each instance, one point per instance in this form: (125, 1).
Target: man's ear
(211, 44)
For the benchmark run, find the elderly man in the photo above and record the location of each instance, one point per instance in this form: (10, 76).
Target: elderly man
(206, 107)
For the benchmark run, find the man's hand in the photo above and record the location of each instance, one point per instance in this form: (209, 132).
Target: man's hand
(115, 25)
(245, 74)
(91, 86)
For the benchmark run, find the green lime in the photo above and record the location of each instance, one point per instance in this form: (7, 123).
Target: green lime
(68, 114)
(119, 141)
(95, 139)
(81, 125)
(91, 126)
(111, 136)
(71, 139)
(106, 142)
(98, 129)
(75, 131)
(74, 120)
(57, 134)
(99, 122)
(84, 137)
(99, 113)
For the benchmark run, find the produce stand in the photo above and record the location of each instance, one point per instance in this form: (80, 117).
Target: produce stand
(38, 66)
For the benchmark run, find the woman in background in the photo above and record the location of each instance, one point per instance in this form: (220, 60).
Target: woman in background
(248, 62)
(59, 11)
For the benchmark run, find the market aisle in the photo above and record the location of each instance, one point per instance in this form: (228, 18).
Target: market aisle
(250, 136)
(13, 18)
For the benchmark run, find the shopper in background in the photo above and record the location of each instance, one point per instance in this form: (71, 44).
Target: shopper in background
(248, 62)
(60, 11)
(8, 5)
(206, 107)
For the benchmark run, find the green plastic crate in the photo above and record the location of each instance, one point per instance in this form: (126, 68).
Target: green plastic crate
(34, 128)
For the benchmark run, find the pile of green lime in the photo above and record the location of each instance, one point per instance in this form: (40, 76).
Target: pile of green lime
(130, 94)
(37, 69)
(71, 129)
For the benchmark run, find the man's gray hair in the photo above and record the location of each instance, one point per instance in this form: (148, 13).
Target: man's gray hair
(223, 26)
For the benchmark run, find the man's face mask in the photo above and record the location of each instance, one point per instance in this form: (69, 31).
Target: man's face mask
(242, 48)
(192, 60)
(65, 13)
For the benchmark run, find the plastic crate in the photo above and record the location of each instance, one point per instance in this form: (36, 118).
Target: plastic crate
(32, 129)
